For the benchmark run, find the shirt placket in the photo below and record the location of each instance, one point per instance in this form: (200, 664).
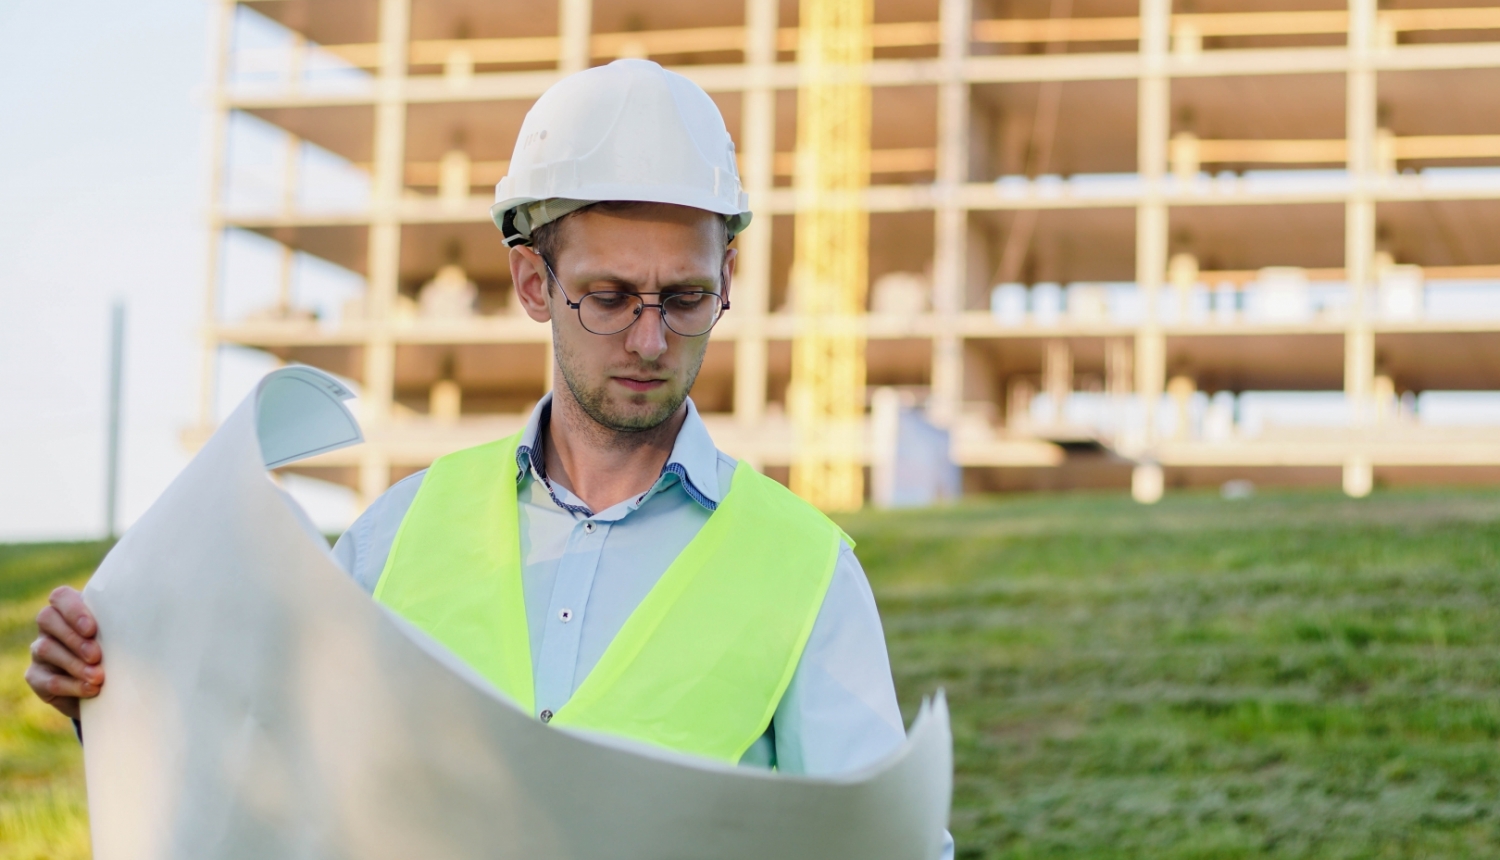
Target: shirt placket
(557, 664)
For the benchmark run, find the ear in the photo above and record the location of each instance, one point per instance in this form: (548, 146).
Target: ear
(529, 273)
(726, 274)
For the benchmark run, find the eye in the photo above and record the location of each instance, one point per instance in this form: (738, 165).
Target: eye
(687, 301)
(608, 301)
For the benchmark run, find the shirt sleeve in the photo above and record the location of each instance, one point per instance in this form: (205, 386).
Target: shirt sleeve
(839, 713)
(361, 550)
(346, 548)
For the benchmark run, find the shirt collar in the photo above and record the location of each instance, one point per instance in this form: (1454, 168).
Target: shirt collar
(694, 459)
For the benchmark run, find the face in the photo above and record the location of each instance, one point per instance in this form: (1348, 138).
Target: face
(638, 378)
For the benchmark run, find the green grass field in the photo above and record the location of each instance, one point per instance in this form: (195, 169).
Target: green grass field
(1295, 675)
(43, 812)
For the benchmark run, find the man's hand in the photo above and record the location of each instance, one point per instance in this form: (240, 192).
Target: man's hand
(65, 659)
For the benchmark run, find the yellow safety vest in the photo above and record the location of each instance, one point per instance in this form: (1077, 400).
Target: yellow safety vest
(701, 663)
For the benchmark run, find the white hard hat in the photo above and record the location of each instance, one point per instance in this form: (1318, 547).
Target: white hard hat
(628, 131)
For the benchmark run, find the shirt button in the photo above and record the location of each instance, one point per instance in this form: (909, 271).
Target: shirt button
(565, 615)
(546, 716)
(588, 526)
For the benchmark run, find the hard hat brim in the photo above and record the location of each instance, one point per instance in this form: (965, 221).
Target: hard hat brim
(504, 215)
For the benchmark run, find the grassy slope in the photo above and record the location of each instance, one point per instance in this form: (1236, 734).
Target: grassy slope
(1292, 676)
(1295, 675)
(42, 806)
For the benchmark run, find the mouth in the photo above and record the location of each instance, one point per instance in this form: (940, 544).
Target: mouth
(639, 384)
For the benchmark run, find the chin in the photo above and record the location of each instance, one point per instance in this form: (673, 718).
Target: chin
(639, 413)
(613, 407)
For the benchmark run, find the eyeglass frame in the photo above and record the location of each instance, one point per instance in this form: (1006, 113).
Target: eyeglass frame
(660, 307)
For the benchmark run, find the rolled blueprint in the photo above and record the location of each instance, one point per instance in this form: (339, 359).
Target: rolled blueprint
(260, 705)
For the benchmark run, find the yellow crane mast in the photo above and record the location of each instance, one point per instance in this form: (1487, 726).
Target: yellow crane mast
(830, 271)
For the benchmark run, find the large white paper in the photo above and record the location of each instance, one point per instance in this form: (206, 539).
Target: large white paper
(259, 705)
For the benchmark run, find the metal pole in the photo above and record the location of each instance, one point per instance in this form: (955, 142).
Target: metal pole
(112, 458)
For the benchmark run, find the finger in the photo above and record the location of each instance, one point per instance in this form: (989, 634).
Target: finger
(70, 603)
(56, 689)
(40, 682)
(50, 652)
(51, 623)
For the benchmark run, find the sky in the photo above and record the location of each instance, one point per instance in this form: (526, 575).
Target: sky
(102, 177)
(103, 189)
(104, 126)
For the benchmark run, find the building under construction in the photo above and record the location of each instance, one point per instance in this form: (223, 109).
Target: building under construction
(1096, 229)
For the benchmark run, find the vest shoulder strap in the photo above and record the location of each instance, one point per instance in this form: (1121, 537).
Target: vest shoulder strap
(454, 569)
(703, 662)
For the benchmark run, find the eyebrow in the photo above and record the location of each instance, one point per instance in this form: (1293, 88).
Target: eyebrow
(698, 282)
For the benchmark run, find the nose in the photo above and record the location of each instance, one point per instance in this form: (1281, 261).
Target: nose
(648, 337)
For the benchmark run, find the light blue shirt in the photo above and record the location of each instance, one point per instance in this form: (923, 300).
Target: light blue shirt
(585, 572)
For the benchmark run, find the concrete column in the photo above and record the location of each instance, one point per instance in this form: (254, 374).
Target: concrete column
(1181, 389)
(291, 173)
(574, 28)
(1153, 91)
(384, 254)
(291, 180)
(213, 256)
(1057, 377)
(751, 296)
(1183, 155)
(1153, 125)
(1150, 342)
(1383, 399)
(1359, 475)
(1147, 482)
(1119, 382)
(885, 427)
(445, 401)
(1182, 271)
(951, 236)
(454, 178)
(1119, 374)
(1018, 397)
(383, 281)
(374, 474)
(1359, 239)
(296, 61)
(287, 276)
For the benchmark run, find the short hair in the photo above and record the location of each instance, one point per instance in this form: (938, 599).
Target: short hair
(546, 240)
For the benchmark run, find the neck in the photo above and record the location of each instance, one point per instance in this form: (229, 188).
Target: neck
(600, 465)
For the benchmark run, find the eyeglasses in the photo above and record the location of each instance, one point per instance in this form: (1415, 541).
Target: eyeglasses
(689, 314)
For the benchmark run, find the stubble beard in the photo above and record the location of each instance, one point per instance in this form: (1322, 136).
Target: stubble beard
(595, 400)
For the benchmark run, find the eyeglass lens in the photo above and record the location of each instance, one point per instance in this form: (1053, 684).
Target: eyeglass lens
(687, 314)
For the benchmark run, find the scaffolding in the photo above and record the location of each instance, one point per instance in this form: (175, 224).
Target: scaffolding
(1096, 229)
(830, 268)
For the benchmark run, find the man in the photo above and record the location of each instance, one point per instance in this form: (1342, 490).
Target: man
(608, 567)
